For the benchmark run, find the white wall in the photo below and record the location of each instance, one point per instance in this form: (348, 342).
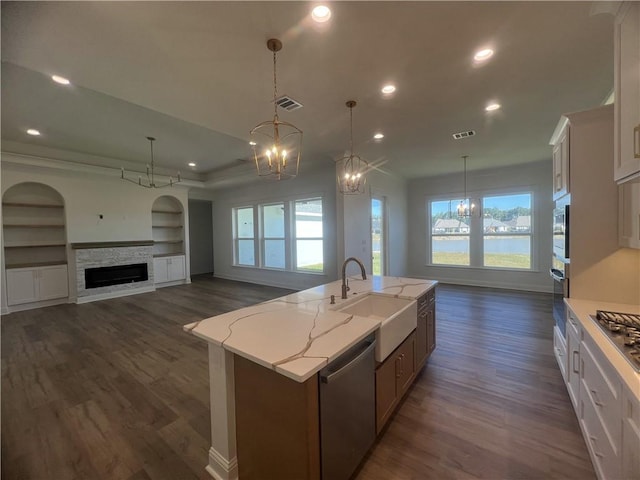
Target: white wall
(534, 177)
(126, 208)
(308, 184)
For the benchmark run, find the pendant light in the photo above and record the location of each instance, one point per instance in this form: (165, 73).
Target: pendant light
(150, 182)
(351, 169)
(276, 144)
(463, 209)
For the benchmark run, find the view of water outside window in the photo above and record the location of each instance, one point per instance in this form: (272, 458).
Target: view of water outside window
(273, 235)
(507, 231)
(449, 234)
(309, 242)
(245, 246)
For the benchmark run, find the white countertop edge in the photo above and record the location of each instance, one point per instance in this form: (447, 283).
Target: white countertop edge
(584, 308)
(318, 296)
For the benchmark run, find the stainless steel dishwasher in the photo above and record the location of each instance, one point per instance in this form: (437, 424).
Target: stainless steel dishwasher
(347, 410)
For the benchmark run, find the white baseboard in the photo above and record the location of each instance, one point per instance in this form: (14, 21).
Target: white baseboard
(286, 285)
(31, 306)
(503, 286)
(173, 284)
(220, 468)
(122, 293)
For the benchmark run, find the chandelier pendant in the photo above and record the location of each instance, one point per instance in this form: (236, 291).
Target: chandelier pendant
(351, 169)
(464, 210)
(150, 182)
(276, 144)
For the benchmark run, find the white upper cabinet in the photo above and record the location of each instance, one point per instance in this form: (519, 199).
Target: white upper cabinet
(627, 92)
(560, 142)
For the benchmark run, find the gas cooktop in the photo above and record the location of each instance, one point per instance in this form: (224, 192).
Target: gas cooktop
(623, 329)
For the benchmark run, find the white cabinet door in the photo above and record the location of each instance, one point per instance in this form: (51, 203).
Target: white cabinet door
(629, 214)
(160, 270)
(561, 165)
(22, 285)
(630, 437)
(627, 91)
(53, 282)
(573, 360)
(560, 351)
(176, 268)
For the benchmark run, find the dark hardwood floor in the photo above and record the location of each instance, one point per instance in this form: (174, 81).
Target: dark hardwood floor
(115, 390)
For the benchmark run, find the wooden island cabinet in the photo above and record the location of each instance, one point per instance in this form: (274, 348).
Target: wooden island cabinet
(298, 389)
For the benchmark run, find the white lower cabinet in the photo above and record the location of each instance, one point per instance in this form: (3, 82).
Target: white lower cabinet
(630, 436)
(608, 412)
(35, 284)
(560, 351)
(169, 269)
(599, 412)
(574, 334)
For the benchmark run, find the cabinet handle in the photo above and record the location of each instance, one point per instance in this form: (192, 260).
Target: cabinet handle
(596, 400)
(398, 375)
(402, 365)
(594, 440)
(636, 141)
(574, 361)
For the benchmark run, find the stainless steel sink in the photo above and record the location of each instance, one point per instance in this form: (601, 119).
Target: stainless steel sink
(398, 317)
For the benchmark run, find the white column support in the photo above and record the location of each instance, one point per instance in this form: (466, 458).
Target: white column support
(223, 462)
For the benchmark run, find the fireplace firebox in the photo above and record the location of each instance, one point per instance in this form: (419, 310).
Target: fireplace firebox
(115, 275)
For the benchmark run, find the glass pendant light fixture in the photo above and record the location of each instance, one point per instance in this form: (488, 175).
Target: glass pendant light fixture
(276, 144)
(150, 182)
(351, 169)
(465, 210)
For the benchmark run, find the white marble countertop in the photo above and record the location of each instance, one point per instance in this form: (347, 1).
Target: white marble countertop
(584, 308)
(299, 334)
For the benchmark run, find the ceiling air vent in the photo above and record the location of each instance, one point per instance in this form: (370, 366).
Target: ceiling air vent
(459, 135)
(288, 103)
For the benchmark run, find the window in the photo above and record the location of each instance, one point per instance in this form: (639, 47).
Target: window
(449, 234)
(244, 236)
(273, 240)
(507, 231)
(281, 243)
(500, 235)
(308, 235)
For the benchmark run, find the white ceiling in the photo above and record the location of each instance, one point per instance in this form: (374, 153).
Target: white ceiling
(198, 77)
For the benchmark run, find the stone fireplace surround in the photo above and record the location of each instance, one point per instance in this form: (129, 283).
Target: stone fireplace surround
(107, 254)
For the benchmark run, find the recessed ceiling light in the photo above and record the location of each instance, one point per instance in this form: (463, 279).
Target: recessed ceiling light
(252, 143)
(388, 89)
(191, 164)
(33, 131)
(60, 80)
(492, 106)
(482, 55)
(321, 14)
(378, 136)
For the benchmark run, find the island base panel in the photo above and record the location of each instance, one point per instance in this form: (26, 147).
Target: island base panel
(277, 424)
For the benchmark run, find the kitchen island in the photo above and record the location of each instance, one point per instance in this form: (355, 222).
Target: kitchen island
(270, 355)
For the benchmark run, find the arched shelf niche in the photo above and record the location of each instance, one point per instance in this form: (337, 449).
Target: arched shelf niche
(34, 227)
(167, 223)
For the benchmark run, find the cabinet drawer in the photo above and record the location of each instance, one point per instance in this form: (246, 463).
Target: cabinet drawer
(427, 299)
(560, 351)
(574, 324)
(604, 455)
(602, 391)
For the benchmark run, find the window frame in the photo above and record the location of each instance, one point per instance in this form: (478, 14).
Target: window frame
(290, 234)
(530, 234)
(237, 238)
(445, 234)
(476, 229)
(295, 237)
